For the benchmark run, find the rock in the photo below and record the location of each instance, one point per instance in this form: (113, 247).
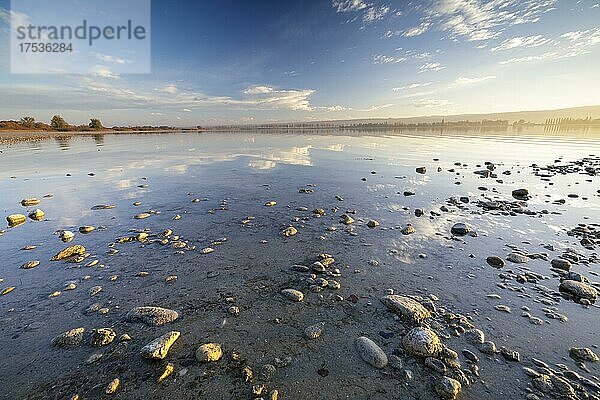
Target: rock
(66, 236)
(314, 331)
(583, 354)
(370, 352)
(30, 264)
(517, 258)
(422, 342)
(86, 229)
(408, 230)
(289, 231)
(270, 203)
(460, 229)
(347, 220)
(113, 386)
(494, 261)
(447, 388)
(209, 352)
(559, 263)
(30, 202)
(435, 364)
(153, 316)
(293, 294)
(488, 347)
(95, 290)
(7, 290)
(36, 215)
(503, 308)
(69, 252)
(69, 339)
(15, 219)
(520, 194)
(159, 347)
(142, 216)
(406, 308)
(102, 337)
(510, 355)
(373, 224)
(169, 368)
(421, 170)
(469, 355)
(579, 290)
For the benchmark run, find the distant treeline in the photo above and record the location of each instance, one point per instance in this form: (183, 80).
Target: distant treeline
(58, 124)
(573, 121)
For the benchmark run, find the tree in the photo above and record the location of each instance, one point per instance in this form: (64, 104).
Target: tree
(95, 124)
(58, 122)
(27, 121)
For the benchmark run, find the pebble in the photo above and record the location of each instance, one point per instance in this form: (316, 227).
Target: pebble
(422, 342)
(169, 368)
(86, 229)
(15, 219)
(370, 352)
(102, 337)
(113, 386)
(30, 264)
(559, 263)
(30, 202)
(517, 258)
(583, 354)
(209, 352)
(159, 347)
(36, 215)
(289, 231)
(314, 331)
(373, 224)
(293, 294)
(153, 316)
(69, 252)
(406, 308)
(460, 229)
(495, 261)
(579, 289)
(447, 388)
(68, 339)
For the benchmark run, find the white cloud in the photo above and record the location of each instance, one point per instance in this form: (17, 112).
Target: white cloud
(349, 5)
(171, 89)
(383, 59)
(434, 66)
(375, 13)
(467, 81)
(428, 103)
(521, 41)
(478, 20)
(110, 59)
(103, 72)
(258, 90)
(412, 86)
(417, 30)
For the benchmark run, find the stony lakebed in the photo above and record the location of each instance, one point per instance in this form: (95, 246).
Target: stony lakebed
(292, 266)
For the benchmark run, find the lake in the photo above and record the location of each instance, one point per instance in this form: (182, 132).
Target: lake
(224, 263)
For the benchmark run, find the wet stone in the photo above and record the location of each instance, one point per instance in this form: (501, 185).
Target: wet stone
(314, 331)
(102, 337)
(559, 263)
(370, 352)
(583, 354)
(69, 252)
(293, 294)
(579, 290)
(68, 339)
(159, 347)
(406, 308)
(153, 316)
(494, 261)
(460, 229)
(517, 258)
(422, 342)
(15, 219)
(209, 352)
(447, 388)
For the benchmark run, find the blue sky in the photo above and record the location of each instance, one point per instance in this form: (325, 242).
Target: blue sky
(216, 62)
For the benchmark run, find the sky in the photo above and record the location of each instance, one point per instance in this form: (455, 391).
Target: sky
(237, 62)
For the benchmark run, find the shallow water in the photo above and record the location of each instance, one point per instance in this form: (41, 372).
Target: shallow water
(234, 174)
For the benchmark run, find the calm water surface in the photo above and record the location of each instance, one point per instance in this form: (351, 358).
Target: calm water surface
(234, 174)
